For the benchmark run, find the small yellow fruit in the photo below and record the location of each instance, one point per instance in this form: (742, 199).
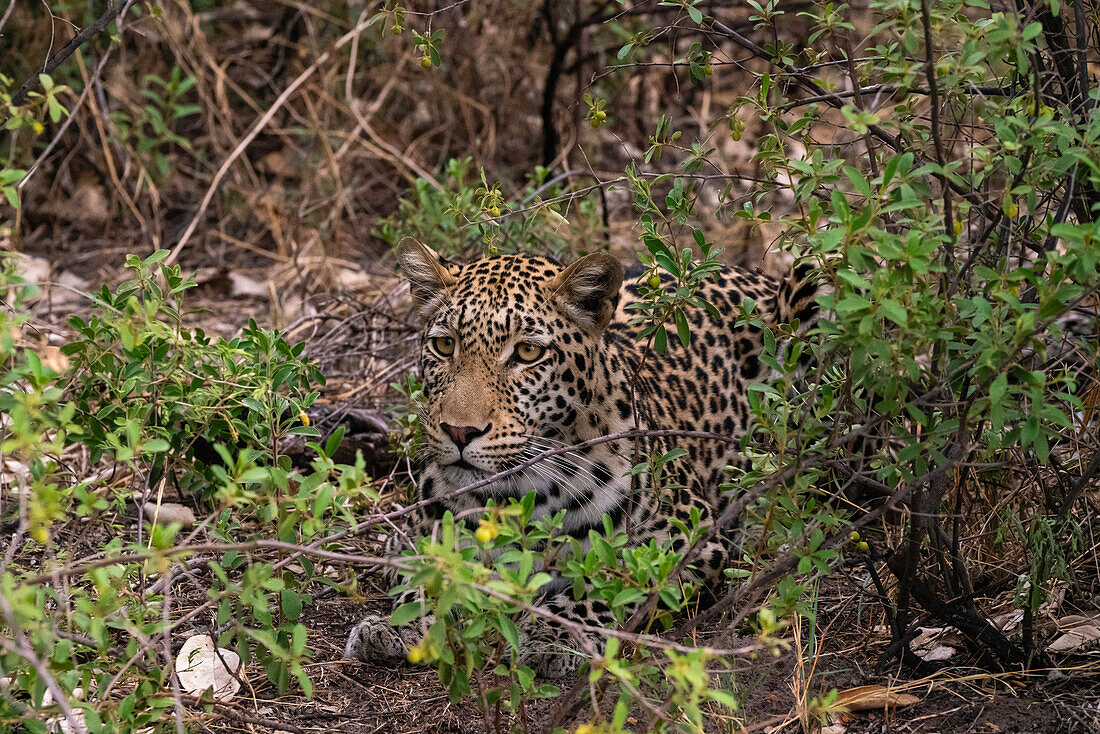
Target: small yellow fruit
(862, 546)
(495, 211)
(397, 30)
(854, 536)
(654, 281)
(416, 654)
(486, 532)
(1010, 209)
(38, 127)
(303, 417)
(958, 227)
(426, 61)
(601, 115)
(595, 123)
(708, 69)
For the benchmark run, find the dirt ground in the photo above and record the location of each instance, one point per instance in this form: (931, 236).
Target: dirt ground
(358, 698)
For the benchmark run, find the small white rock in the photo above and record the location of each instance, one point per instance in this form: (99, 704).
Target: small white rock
(199, 667)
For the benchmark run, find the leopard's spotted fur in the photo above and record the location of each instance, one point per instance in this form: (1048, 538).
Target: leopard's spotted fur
(501, 311)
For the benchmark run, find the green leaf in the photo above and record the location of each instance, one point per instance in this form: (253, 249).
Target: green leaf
(333, 441)
(892, 310)
(291, 603)
(854, 279)
(298, 639)
(851, 304)
(725, 698)
(769, 341)
(303, 680)
(407, 612)
(683, 331)
(660, 340)
(998, 388)
(627, 596)
(509, 631)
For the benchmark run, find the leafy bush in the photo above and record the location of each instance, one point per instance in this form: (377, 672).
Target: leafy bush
(182, 414)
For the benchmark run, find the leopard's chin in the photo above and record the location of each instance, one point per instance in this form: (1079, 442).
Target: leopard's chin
(462, 472)
(464, 465)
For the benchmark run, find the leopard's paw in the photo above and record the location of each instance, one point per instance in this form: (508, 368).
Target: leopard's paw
(555, 665)
(374, 640)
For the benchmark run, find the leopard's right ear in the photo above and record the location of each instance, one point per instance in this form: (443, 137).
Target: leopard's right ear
(429, 278)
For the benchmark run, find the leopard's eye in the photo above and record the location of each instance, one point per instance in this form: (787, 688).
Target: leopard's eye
(444, 346)
(527, 352)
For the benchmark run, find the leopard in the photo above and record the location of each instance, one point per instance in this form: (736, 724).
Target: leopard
(520, 354)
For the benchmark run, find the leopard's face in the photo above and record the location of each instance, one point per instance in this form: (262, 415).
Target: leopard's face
(508, 360)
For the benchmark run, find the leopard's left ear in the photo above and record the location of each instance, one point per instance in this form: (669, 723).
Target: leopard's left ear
(588, 289)
(429, 279)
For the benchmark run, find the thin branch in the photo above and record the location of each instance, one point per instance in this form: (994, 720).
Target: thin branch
(895, 89)
(1078, 487)
(7, 14)
(32, 83)
(21, 646)
(810, 84)
(937, 135)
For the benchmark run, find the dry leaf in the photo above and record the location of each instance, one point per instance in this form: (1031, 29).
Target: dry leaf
(61, 725)
(54, 358)
(199, 667)
(14, 476)
(867, 698)
(1055, 600)
(169, 512)
(1078, 631)
(928, 645)
(937, 653)
(1009, 621)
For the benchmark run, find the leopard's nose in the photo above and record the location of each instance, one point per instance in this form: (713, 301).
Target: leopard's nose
(463, 435)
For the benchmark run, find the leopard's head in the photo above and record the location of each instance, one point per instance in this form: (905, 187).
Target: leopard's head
(509, 359)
